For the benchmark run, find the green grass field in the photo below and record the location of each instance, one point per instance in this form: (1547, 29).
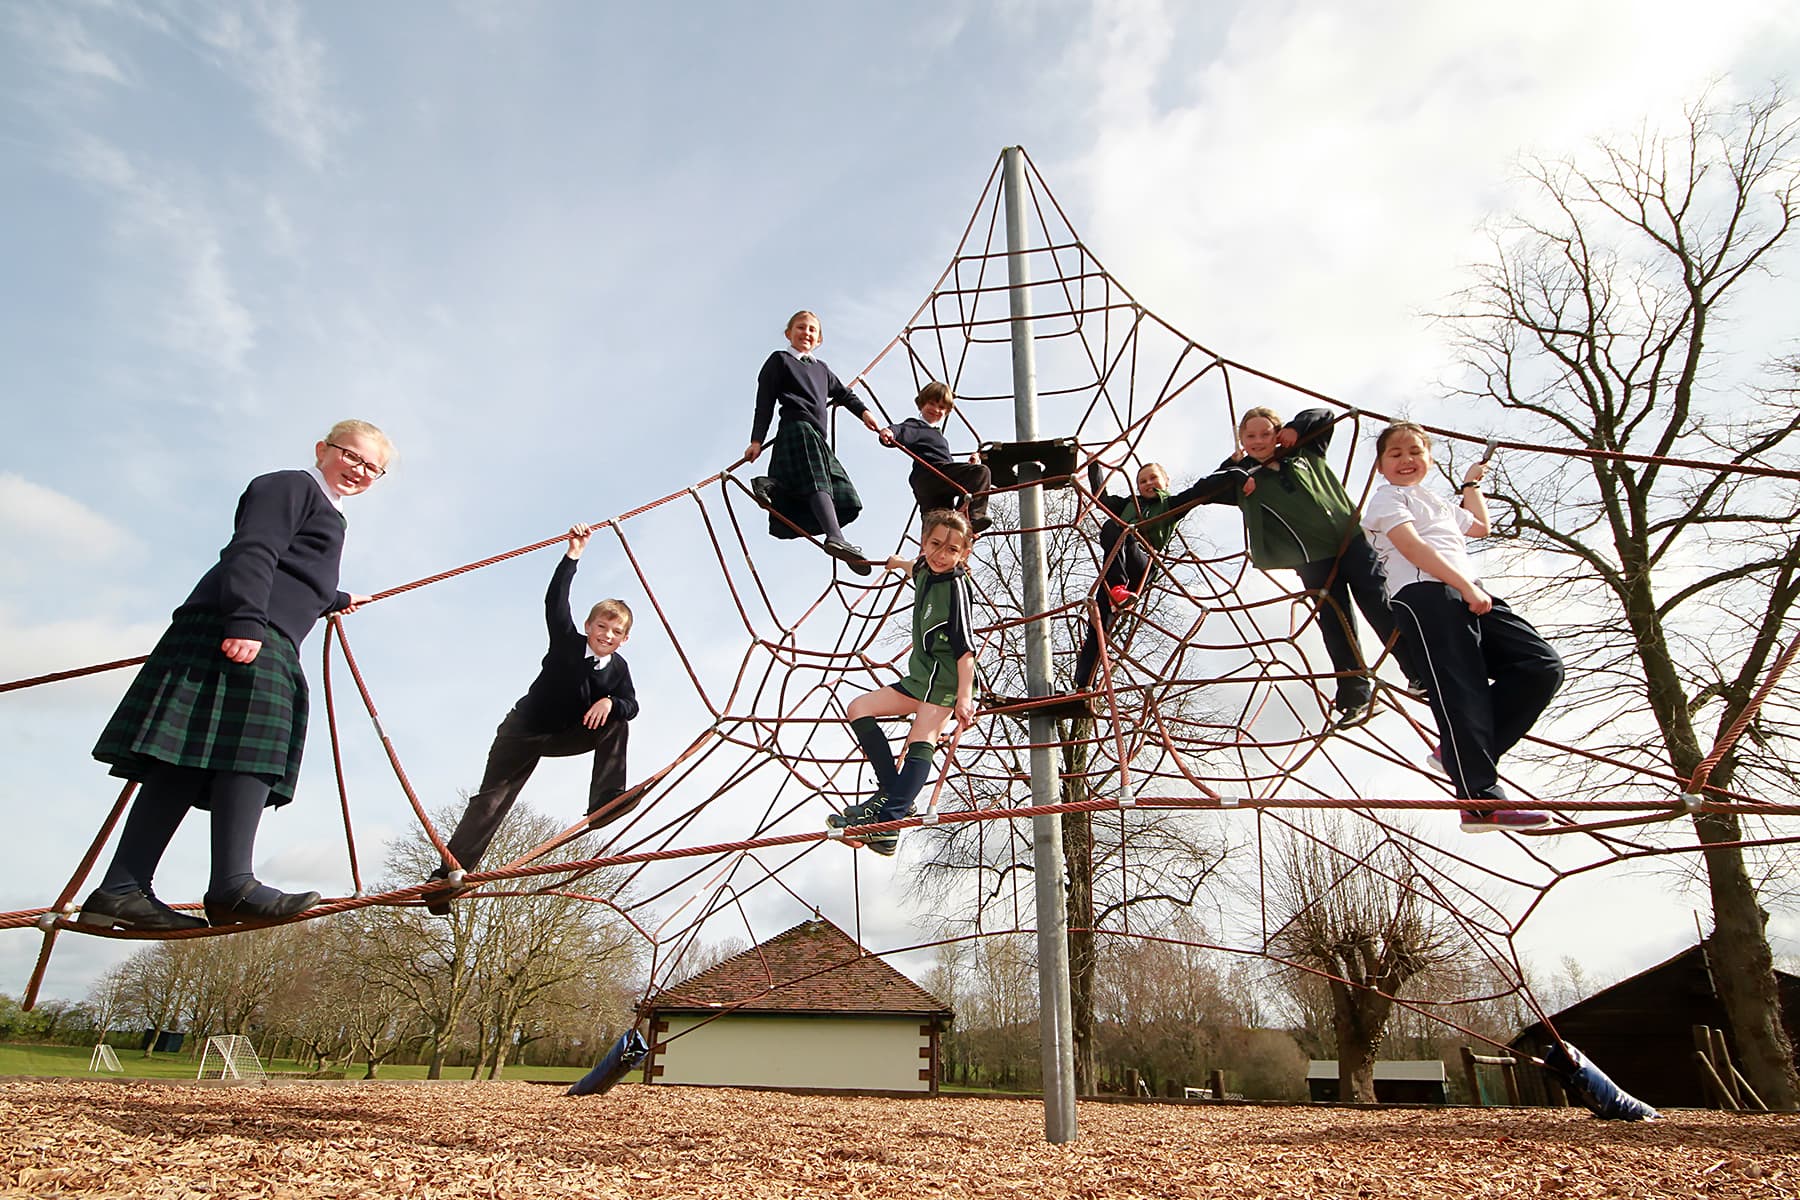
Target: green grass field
(72, 1061)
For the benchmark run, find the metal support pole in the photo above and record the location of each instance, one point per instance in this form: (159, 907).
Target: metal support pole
(1055, 1021)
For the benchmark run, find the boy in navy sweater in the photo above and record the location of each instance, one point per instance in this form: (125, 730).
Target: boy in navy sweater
(581, 701)
(937, 479)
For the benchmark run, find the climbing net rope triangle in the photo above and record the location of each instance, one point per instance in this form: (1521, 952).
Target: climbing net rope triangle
(1204, 741)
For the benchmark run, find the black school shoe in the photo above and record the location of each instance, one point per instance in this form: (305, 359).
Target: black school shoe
(850, 556)
(138, 910)
(239, 909)
(763, 488)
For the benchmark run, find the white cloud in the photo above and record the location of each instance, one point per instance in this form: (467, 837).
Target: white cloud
(198, 315)
(60, 41)
(264, 46)
(44, 521)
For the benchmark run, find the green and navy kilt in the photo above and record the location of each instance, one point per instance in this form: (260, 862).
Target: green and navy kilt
(190, 706)
(802, 463)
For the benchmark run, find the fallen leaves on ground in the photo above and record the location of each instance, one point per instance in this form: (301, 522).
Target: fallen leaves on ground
(450, 1140)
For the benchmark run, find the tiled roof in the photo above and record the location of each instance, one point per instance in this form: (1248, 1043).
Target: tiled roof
(815, 967)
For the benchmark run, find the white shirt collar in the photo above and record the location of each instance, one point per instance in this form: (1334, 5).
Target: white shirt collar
(808, 355)
(337, 501)
(599, 661)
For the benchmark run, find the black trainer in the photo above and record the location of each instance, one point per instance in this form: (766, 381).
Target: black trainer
(857, 814)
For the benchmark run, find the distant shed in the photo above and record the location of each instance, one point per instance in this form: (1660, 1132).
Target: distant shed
(1640, 1031)
(1416, 1082)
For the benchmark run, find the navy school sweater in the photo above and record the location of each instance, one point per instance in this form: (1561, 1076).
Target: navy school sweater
(280, 567)
(803, 391)
(568, 683)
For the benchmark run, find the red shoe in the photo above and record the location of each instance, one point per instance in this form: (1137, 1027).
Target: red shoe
(1121, 595)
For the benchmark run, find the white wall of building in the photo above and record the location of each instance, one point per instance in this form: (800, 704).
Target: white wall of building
(876, 1054)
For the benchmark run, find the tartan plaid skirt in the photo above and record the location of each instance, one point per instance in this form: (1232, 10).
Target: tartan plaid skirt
(190, 706)
(802, 463)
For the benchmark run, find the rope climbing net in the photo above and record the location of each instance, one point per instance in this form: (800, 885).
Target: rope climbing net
(1205, 740)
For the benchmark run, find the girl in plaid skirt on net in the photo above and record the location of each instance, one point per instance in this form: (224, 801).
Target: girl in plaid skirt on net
(216, 718)
(806, 484)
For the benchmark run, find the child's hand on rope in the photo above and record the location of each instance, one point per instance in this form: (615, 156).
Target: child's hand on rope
(579, 534)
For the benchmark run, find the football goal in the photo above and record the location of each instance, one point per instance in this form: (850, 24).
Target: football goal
(230, 1056)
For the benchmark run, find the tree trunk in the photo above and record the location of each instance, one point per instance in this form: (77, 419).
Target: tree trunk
(1743, 970)
(1361, 1016)
(1078, 858)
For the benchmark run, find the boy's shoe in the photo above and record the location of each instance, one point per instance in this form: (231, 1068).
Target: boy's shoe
(138, 909)
(850, 556)
(1349, 716)
(1434, 763)
(1121, 595)
(763, 488)
(1415, 688)
(981, 524)
(861, 813)
(1486, 820)
(437, 900)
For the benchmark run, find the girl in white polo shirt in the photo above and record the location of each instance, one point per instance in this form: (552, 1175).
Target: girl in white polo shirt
(1488, 673)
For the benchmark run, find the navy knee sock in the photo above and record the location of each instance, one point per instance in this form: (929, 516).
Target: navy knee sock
(881, 755)
(914, 773)
(825, 513)
(237, 807)
(163, 799)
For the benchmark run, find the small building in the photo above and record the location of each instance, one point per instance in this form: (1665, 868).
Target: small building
(807, 1010)
(1420, 1082)
(1640, 1031)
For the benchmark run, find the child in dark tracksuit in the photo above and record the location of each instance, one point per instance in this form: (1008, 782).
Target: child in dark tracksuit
(581, 702)
(937, 479)
(1489, 674)
(1298, 517)
(1150, 515)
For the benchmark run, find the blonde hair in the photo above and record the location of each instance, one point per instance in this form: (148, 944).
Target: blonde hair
(1267, 414)
(355, 428)
(936, 392)
(610, 608)
(1398, 427)
(947, 518)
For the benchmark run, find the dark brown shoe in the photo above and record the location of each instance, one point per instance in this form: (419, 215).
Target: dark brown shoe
(138, 910)
(239, 909)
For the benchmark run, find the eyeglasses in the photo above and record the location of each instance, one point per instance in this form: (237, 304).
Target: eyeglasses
(358, 462)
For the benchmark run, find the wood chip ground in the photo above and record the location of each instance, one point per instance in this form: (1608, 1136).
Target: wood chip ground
(321, 1142)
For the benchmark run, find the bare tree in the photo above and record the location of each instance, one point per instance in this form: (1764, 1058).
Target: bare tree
(1170, 855)
(1599, 318)
(1351, 902)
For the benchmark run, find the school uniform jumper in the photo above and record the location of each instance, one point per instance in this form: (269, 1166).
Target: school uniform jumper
(801, 462)
(198, 730)
(938, 480)
(1127, 560)
(1300, 518)
(941, 621)
(1488, 677)
(546, 723)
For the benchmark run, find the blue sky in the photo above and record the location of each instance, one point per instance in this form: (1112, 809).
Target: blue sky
(546, 246)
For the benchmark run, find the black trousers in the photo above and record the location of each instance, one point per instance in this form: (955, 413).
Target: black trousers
(1489, 678)
(515, 755)
(1125, 561)
(1356, 572)
(931, 491)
